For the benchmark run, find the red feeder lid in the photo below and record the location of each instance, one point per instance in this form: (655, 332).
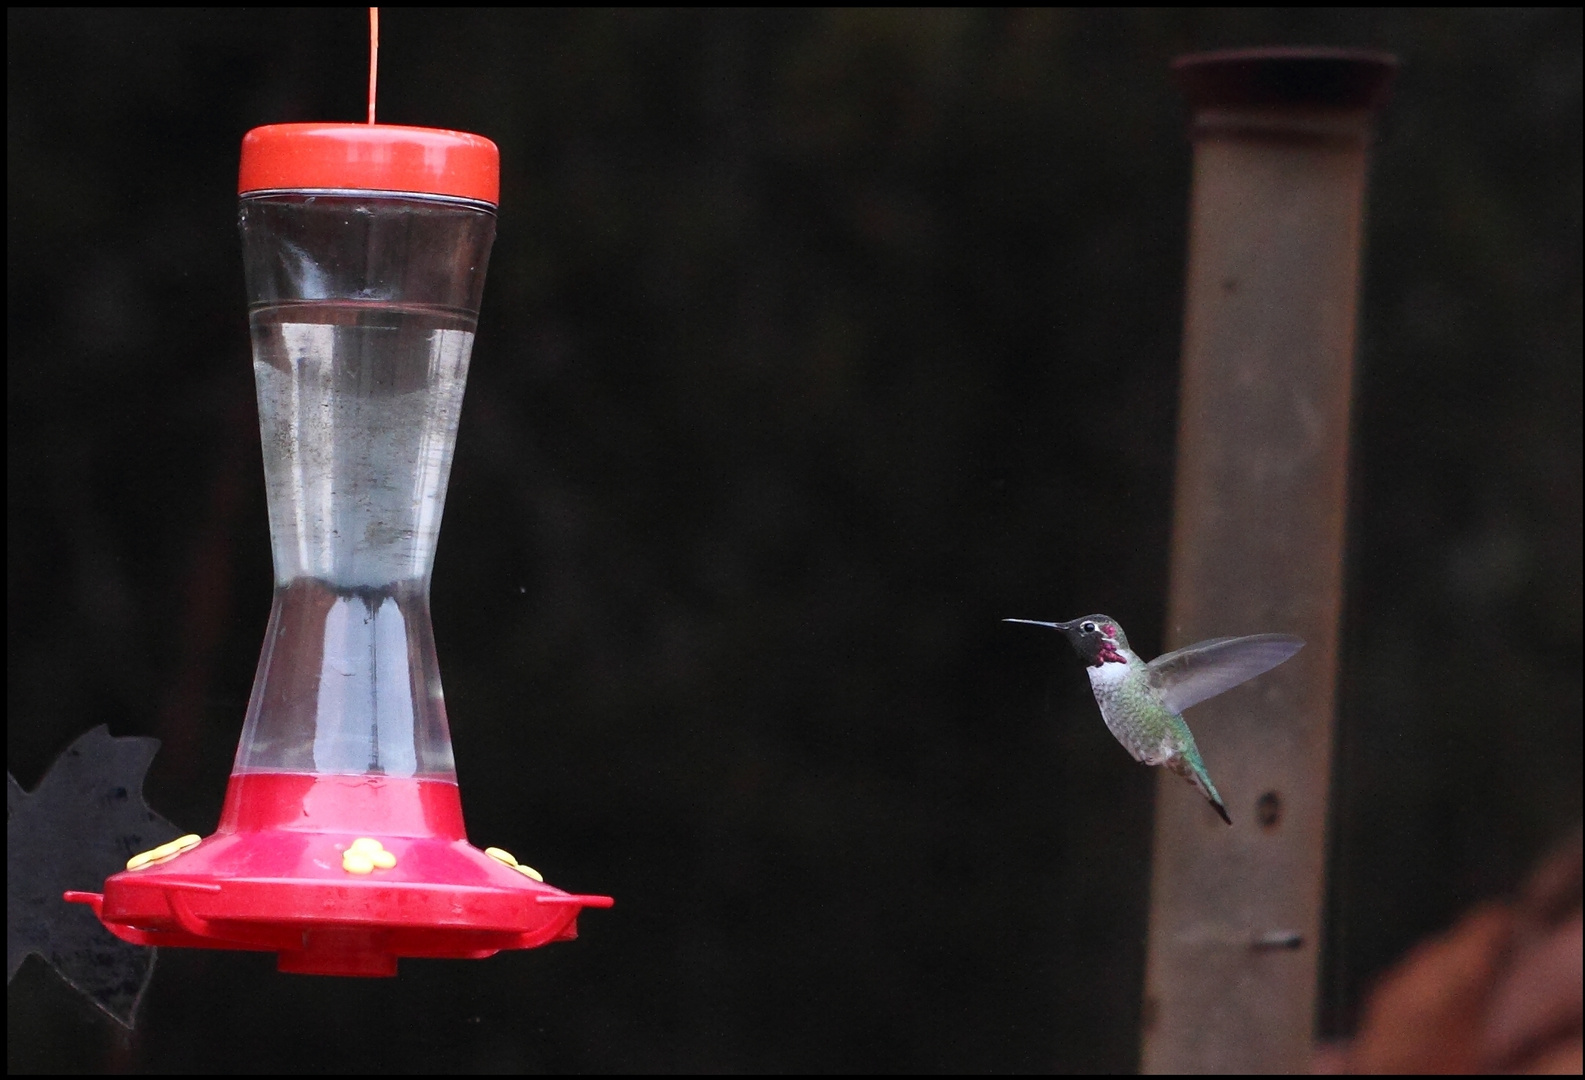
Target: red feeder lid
(370, 157)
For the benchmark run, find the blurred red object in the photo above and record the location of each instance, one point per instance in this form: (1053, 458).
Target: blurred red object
(1500, 992)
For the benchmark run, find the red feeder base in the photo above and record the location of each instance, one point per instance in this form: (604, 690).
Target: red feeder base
(340, 875)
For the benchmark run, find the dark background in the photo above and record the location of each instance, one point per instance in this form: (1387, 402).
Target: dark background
(814, 343)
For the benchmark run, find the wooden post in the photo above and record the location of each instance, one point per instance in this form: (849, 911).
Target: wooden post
(1280, 146)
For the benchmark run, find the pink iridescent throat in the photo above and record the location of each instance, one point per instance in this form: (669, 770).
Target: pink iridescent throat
(1108, 653)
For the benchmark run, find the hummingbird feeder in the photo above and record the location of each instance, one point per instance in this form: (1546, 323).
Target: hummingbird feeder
(341, 844)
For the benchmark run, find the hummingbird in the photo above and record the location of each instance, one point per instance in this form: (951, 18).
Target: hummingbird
(1143, 704)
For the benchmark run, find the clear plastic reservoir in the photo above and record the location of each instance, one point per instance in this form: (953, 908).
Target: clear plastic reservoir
(363, 308)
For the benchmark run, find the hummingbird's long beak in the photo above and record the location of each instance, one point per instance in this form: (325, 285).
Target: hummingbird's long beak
(1036, 622)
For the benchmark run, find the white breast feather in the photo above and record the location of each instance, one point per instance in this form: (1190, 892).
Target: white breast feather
(1107, 675)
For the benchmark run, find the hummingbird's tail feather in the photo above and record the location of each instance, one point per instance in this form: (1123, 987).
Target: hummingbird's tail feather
(1192, 769)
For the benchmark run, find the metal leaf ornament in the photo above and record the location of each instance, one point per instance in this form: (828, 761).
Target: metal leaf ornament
(80, 825)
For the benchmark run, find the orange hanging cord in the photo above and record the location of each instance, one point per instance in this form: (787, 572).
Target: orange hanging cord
(374, 56)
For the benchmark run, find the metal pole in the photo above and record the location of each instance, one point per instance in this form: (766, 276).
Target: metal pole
(1280, 146)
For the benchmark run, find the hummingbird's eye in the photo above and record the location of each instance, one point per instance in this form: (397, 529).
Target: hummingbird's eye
(1087, 628)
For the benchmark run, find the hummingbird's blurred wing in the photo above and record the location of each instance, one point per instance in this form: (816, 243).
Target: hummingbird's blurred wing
(1203, 670)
